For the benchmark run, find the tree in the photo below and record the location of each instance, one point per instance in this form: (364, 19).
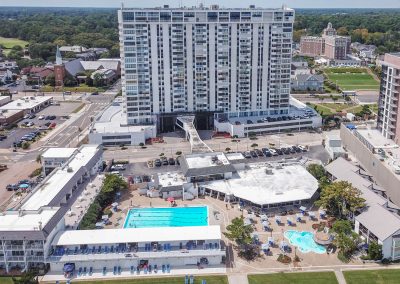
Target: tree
(254, 145)
(50, 80)
(375, 251)
(98, 79)
(227, 149)
(347, 244)
(178, 153)
(342, 227)
(316, 170)
(238, 232)
(342, 31)
(39, 159)
(339, 198)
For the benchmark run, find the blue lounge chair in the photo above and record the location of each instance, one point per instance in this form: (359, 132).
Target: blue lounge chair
(80, 271)
(215, 246)
(165, 247)
(104, 270)
(90, 271)
(138, 270)
(186, 279)
(155, 268)
(115, 270)
(145, 270)
(168, 268)
(191, 279)
(112, 249)
(163, 268)
(119, 270)
(169, 247)
(84, 271)
(132, 269)
(150, 270)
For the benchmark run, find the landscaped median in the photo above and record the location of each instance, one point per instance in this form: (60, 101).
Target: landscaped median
(294, 278)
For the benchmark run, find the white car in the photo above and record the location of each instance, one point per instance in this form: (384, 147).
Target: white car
(302, 148)
(41, 117)
(29, 124)
(273, 152)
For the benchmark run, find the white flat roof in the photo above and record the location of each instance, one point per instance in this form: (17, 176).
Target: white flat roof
(26, 102)
(375, 138)
(57, 180)
(234, 156)
(58, 153)
(113, 120)
(29, 221)
(204, 160)
(171, 179)
(291, 183)
(112, 236)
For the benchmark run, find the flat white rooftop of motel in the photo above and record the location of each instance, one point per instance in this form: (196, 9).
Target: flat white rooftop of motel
(205, 160)
(43, 195)
(14, 221)
(291, 182)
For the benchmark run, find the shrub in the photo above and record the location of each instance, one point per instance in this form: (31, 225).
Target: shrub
(36, 172)
(284, 259)
(25, 145)
(385, 261)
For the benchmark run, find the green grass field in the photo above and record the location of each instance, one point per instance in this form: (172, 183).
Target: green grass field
(6, 280)
(218, 279)
(294, 278)
(387, 276)
(322, 110)
(9, 43)
(354, 79)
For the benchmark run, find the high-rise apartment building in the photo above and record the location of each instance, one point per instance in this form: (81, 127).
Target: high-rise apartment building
(312, 46)
(389, 108)
(204, 60)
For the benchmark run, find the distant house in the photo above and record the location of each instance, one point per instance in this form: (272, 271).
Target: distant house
(111, 64)
(107, 75)
(299, 67)
(8, 65)
(308, 82)
(5, 76)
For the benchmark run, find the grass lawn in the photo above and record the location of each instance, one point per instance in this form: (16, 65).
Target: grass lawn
(294, 278)
(322, 110)
(218, 279)
(336, 106)
(6, 280)
(352, 80)
(9, 43)
(387, 276)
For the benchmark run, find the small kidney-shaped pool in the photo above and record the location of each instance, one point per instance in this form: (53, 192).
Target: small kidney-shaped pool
(304, 241)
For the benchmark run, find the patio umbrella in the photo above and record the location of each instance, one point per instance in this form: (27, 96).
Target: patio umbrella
(104, 217)
(289, 220)
(278, 218)
(298, 216)
(271, 240)
(171, 199)
(265, 223)
(311, 214)
(264, 217)
(24, 185)
(265, 246)
(251, 216)
(303, 208)
(283, 245)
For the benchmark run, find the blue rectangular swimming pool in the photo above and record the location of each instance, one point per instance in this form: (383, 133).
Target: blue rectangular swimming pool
(167, 217)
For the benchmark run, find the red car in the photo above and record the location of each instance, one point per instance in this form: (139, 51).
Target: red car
(53, 125)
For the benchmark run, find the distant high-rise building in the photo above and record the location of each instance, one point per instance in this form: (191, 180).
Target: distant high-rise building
(312, 46)
(204, 60)
(389, 110)
(329, 45)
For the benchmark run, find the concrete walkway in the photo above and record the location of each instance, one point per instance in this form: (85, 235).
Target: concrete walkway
(340, 277)
(238, 279)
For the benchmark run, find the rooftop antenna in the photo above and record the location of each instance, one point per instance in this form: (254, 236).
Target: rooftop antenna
(122, 5)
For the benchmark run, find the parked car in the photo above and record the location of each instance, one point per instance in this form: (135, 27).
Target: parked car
(171, 161)
(30, 124)
(41, 117)
(164, 161)
(26, 116)
(253, 154)
(286, 151)
(302, 148)
(273, 152)
(259, 153)
(137, 179)
(292, 150)
(32, 116)
(2, 137)
(279, 151)
(11, 187)
(247, 155)
(53, 125)
(266, 152)
(157, 162)
(47, 124)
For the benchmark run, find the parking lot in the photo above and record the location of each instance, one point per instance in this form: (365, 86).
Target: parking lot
(141, 168)
(61, 113)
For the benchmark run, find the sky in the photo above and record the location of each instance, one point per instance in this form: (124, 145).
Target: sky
(223, 3)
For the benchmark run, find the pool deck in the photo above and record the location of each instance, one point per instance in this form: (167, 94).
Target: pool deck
(220, 214)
